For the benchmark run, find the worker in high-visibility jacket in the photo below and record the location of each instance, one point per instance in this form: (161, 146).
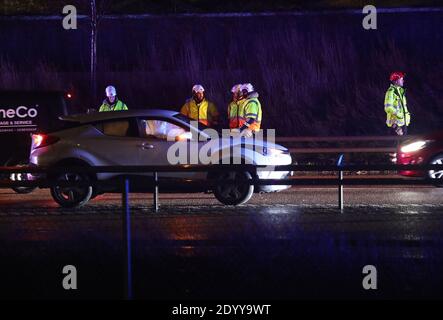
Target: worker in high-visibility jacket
(397, 114)
(112, 103)
(250, 113)
(200, 109)
(233, 107)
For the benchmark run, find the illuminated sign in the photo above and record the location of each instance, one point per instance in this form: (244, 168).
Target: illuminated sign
(18, 119)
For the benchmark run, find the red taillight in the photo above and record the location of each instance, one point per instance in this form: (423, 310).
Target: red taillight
(43, 140)
(37, 140)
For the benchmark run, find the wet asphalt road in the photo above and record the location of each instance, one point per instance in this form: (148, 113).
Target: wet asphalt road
(289, 245)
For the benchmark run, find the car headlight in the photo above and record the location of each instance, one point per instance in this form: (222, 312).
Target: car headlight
(414, 146)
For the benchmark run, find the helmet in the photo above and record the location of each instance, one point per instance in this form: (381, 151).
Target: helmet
(236, 88)
(198, 88)
(396, 75)
(110, 91)
(248, 87)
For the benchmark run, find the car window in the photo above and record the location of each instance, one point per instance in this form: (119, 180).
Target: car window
(160, 129)
(184, 118)
(117, 128)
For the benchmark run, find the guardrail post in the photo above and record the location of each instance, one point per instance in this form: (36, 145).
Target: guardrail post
(340, 182)
(340, 190)
(155, 208)
(127, 239)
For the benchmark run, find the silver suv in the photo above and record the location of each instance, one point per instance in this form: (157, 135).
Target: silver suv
(152, 137)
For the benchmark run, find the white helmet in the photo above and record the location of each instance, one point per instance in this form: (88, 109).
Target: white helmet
(110, 91)
(248, 87)
(236, 88)
(198, 88)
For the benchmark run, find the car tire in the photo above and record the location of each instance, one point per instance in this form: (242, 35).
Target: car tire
(71, 197)
(236, 193)
(436, 177)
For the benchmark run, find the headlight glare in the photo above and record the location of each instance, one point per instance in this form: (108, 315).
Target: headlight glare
(414, 146)
(273, 151)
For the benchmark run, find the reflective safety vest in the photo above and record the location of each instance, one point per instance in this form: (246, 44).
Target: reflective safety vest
(233, 115)
(116, 106)
(249, 108)
(205, 112)
(396, 107)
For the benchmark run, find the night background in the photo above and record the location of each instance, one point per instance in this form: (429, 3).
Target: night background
(351, 201)
(318, 72)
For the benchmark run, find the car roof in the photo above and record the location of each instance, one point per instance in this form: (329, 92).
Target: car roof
(101, 116)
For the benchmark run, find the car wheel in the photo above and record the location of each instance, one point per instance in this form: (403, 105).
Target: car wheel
(436, 176)
(233, 193)
(72, 197)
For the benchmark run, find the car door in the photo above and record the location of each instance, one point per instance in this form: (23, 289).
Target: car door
(160, 137)
(119, 143)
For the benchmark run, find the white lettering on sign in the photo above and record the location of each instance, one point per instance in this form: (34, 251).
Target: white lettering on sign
(20, 112)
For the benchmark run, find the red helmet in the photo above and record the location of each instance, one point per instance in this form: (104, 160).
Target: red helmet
(396, 75)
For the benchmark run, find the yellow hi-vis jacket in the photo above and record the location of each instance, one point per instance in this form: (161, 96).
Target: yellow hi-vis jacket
(205, 112)
(233, 115)
(249, 113)
(118, 105)
(396, 107)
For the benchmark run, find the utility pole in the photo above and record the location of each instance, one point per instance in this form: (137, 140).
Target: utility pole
(94, 50)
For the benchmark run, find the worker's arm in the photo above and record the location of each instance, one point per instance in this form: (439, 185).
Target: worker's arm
(125, 107)
(248, 123)
(102, 108)
(185, 110)
(251, 114)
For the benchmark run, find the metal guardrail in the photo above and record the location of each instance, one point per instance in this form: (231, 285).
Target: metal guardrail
(344, 150)
(340, 168)
(346, 139)
(215, 167)
(156, 182)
